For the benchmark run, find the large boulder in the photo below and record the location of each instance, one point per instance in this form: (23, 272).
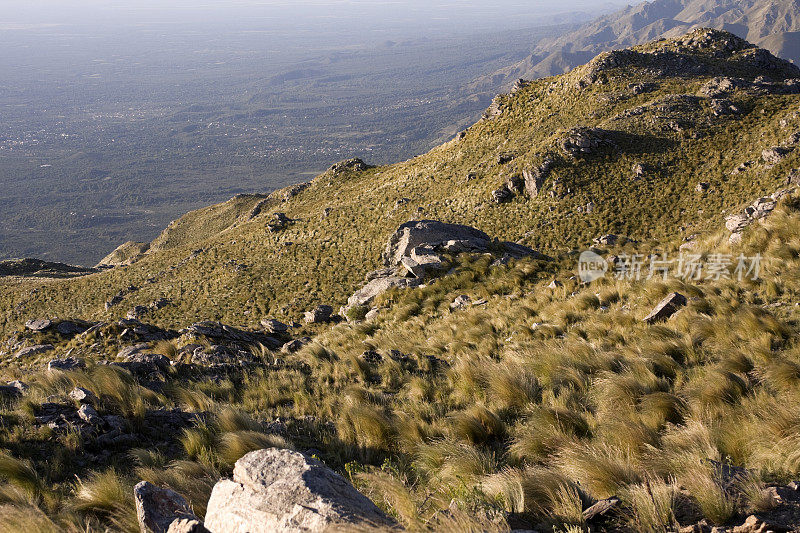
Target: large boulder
(431, 232)
(157, 508)
(282, 491)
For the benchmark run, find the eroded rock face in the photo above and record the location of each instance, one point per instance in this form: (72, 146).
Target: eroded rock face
(282, 491)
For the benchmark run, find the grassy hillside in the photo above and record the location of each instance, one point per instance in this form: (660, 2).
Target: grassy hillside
(516, 412)
(246, 272)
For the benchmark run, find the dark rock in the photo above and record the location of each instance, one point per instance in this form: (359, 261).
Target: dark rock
(601, 509)
(137, 312)
(502, 195)
(319, 315)
(294, 345)
(348, 165)
(68, 363)
(775, 155)
(34, 350)
(666, 308)
(157, 508)
(271, 325)
(88, 414)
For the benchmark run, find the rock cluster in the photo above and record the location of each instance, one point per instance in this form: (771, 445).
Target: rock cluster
(348, 165)
(279, 222)
(415, 251)
(586, 141)
(757, 210)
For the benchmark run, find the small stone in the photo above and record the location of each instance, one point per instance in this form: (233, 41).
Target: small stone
(39, 324)
(294, 345)
(461, 302)
(274, 326)
(88, 414)
(666, 308)
(79, 394)
(601, 509)
(34, 350)
(68, 363)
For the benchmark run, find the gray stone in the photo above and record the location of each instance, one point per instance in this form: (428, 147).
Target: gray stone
(158, 508)
(601, 509)
(79, 394)
(281, 491)
(607, 240)
(666, 308)
(137, 312)
(34, 350)
(295, 344)
(366, 294)
(88, 414)
(67, 363)
(461, 302)
(274, 326)
(319, 315)
(413, 268)
(775, 155)
(38, 324)
(502, 195)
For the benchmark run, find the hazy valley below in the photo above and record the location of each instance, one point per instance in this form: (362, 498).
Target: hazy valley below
(116, 132)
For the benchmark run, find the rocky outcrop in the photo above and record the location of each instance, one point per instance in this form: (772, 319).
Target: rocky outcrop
(534, 179)
(415, 252)
(125, 254)
(758, 210)
(586, 141)
(319, 315)
(282, 491)
(36, 268)
(776, 154)
(432, 233)
(348, 165)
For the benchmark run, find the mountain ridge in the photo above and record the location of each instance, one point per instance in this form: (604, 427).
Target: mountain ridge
(771, 24)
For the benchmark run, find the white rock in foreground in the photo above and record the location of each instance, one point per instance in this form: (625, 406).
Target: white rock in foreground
(281, 491)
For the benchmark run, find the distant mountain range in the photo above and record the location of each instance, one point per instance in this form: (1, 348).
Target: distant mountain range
(770, 24)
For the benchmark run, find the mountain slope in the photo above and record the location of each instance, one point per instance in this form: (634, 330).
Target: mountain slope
(495, 395)
(646, 101)
(770, 24)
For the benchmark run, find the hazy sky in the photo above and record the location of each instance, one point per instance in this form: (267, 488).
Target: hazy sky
(495, 13)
